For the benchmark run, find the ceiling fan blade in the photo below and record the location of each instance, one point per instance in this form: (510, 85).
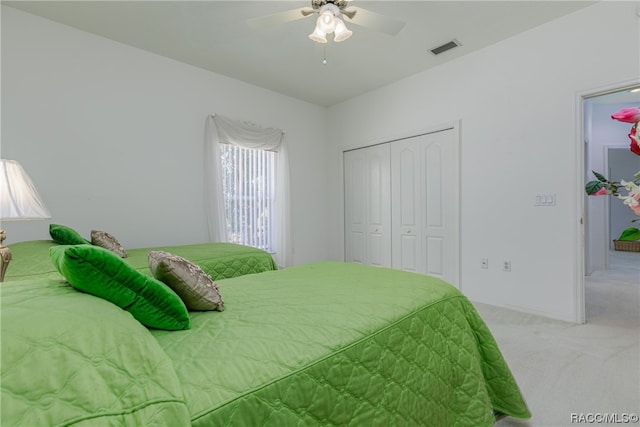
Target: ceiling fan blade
(349, 13)
(376, 21)
(280, 18)
(306, 11)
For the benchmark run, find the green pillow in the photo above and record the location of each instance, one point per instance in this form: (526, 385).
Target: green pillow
(64, 235)
(100, 272)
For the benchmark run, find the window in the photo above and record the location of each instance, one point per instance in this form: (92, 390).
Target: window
(248, 184)
(247, 189)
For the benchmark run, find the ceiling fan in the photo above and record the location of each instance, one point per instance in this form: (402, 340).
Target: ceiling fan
(329, 14)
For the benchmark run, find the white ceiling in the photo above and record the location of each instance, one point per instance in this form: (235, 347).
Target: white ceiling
(214, 35)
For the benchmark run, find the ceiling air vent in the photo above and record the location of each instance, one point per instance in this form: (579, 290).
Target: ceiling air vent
(445, 47)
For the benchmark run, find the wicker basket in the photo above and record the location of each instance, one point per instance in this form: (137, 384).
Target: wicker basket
(626, 246)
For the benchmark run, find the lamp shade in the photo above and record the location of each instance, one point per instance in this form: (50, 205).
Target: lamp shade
(318, 36)
(19, 199)
(341, 32)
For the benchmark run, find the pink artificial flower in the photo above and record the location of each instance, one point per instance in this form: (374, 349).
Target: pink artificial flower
(601, 192)
(627, 115)
(634, 136)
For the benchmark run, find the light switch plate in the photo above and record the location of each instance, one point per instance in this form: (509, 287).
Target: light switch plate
(545, 199)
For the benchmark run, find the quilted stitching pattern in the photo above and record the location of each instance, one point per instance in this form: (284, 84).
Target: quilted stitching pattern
(322, 344)
(339, 344)
(69, 358)
(424, 371)
(219, 260)
(225, 268)
(31, 260)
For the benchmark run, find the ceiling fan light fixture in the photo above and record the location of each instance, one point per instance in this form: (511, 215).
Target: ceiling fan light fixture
(326, 21)
(318, 35)
(341, 32)
(329, 22)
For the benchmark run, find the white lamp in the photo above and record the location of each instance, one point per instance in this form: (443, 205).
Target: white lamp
(19, 200)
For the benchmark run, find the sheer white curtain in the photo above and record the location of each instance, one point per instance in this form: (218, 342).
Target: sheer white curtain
(221, 130)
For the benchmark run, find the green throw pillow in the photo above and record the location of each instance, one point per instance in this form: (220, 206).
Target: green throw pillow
(63, 235)
(100, 272)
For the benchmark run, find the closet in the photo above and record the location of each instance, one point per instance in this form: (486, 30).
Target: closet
(402, 205)
(367, 183)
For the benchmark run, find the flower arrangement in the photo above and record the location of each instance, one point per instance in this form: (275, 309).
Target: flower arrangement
(602, 186)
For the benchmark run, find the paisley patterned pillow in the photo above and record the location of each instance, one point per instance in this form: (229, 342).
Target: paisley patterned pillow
(195, 287)
(107, 241)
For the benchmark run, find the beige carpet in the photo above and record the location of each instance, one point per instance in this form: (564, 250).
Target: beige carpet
(567, 371)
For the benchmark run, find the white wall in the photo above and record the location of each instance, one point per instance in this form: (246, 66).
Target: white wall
(113, 137)
(517, 104)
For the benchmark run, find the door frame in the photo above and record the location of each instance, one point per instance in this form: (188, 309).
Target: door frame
(581, 244)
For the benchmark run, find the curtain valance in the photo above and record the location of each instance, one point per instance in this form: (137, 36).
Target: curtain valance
(222, 130)
(247, 134)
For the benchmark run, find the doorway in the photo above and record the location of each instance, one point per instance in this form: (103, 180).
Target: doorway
(606, 150)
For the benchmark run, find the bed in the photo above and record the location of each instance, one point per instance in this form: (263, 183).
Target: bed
(220, 260)
(326, 343)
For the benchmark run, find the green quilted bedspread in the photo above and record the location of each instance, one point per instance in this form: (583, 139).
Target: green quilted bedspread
(341, 344)
(329, 344)
(219, 260)
(69, 358)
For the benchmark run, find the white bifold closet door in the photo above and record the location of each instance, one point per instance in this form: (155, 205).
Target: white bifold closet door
(402, 207)
(368, 206)
(423, 199)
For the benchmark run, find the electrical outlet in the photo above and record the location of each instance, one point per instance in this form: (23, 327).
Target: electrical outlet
(484, 263)
(506, 266)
